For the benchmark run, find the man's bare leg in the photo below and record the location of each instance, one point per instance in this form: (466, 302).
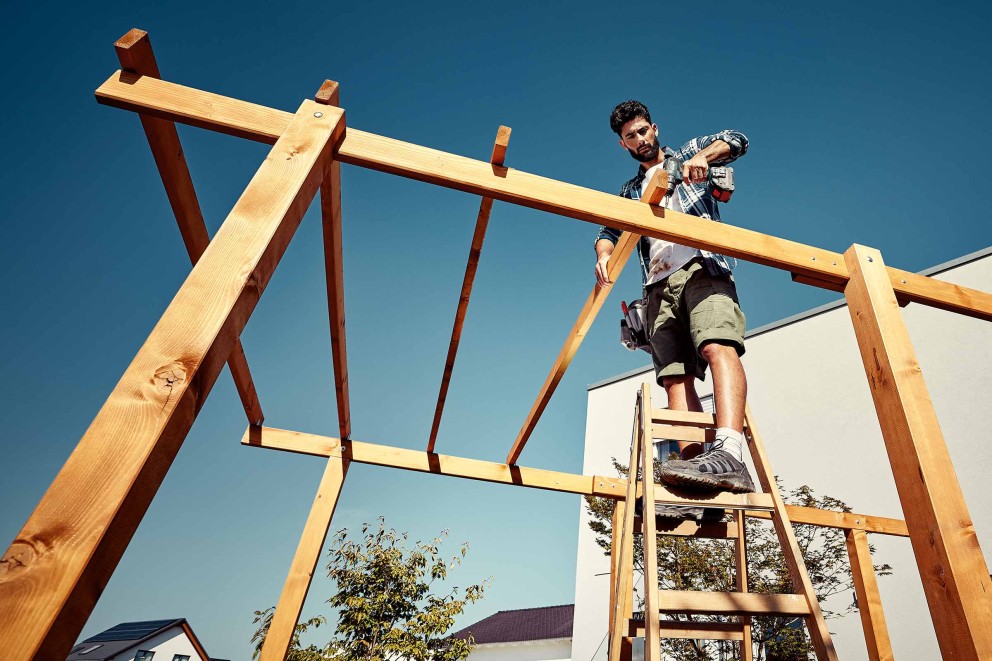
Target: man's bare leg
(682, 396)
(729, 384)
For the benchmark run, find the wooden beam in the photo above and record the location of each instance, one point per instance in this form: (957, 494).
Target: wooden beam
(248, 120)
(869, 599)
(58, 565)
(308, 552)
(952, 566)
(330, 216)
(620, 647)
(475, 252)
(649, 540)
(428, 462)
(690, 630)
(134, 50)
(625, 245)
(732, 603)
(844, 520)
(816, 626)
(740, 582)
(683, 418)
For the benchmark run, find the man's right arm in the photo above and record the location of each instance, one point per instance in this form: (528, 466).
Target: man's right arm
(604, 248)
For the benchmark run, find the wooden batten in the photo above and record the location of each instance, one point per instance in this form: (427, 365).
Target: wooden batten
(690, 630)
(475, 252)
(732, 603)
(869, 599)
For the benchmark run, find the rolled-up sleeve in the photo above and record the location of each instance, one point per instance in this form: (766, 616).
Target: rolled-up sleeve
(737, 141)
(607, 233)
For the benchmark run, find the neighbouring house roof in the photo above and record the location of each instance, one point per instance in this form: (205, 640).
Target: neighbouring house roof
(548, 622)
(108, 644)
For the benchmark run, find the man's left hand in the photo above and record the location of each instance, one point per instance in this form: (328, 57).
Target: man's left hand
(696, 169)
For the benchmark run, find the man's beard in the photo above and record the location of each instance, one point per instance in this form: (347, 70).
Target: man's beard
(649, 155)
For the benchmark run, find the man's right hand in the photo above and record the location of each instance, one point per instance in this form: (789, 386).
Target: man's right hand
(602, 275)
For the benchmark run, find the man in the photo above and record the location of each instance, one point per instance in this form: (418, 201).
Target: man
(694, 318)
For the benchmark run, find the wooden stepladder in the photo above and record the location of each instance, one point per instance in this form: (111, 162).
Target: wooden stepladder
(741, 604)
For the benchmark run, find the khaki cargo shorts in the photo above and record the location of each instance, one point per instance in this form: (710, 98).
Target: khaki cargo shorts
(690, 308)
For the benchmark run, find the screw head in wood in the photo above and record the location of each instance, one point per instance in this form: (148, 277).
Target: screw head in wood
(318, 115)
(870, 259)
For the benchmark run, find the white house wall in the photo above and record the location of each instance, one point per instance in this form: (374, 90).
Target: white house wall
(537, 650)
(166, 645)
(811, 403)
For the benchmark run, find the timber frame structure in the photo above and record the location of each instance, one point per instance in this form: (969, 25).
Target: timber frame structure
(55, 570)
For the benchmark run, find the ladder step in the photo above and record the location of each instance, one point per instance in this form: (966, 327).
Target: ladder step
(691, 630)
(683, 433)
(687, 418)
(725, 499)
(732, 603)
(704, 530)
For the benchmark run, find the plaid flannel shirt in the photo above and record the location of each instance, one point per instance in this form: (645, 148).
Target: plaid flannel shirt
(693, 197)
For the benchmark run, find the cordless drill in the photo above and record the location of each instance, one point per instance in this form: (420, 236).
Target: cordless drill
(719, 180)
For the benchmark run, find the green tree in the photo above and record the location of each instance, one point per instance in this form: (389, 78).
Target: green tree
(705, 564)
(385, 601)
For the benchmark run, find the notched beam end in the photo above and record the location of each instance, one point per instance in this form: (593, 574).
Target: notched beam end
(499, 149)
(657, 188)
(134, 50)
(329, 94)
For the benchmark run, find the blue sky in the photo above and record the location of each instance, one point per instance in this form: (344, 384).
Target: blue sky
(867, 122)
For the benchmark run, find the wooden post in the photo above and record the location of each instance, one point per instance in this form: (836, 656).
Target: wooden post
(294, 590)
(134, 50)
(955, 575)
(869, 600)
(740, 581)
(619, 646)
(60, 562)
(652, 596)
(330, 215)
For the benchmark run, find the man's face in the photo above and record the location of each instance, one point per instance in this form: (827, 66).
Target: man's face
(640, 139)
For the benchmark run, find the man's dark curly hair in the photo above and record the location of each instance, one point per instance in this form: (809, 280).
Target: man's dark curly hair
(627, 111)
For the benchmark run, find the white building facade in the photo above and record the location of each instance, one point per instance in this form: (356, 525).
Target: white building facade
(810, 400)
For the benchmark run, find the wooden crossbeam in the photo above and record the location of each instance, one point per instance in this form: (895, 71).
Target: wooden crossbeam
(475, 252)
(681, 433)
(134, 50)
(869, 599)
(63, 557)
(308, 552)
(955, 575)
(428, 462)
(732, 603)
(255, 122)
(330, 215)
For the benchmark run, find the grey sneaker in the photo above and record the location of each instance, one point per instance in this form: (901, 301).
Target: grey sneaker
(714, 469)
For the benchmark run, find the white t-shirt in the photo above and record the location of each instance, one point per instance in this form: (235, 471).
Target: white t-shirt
(665, 257)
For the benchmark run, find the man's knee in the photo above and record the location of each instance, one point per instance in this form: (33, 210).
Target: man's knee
(714, 351)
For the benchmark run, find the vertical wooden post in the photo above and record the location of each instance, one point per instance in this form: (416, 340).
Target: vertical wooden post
(869, 600)
(60, 562)
(652, 596)
(740, 581)
(955, 575)
(330, 214)
(294, 590)
(619, 647)
(617, 526)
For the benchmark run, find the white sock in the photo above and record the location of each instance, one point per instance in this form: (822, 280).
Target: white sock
(733, 442)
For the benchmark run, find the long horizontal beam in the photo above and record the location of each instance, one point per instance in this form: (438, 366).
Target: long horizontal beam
(489, 471)
(248, 120)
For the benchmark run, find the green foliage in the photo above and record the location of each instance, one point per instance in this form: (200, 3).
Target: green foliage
(387, 609)
(708, 564)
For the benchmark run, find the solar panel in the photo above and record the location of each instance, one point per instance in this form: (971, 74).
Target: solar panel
(131, 630)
